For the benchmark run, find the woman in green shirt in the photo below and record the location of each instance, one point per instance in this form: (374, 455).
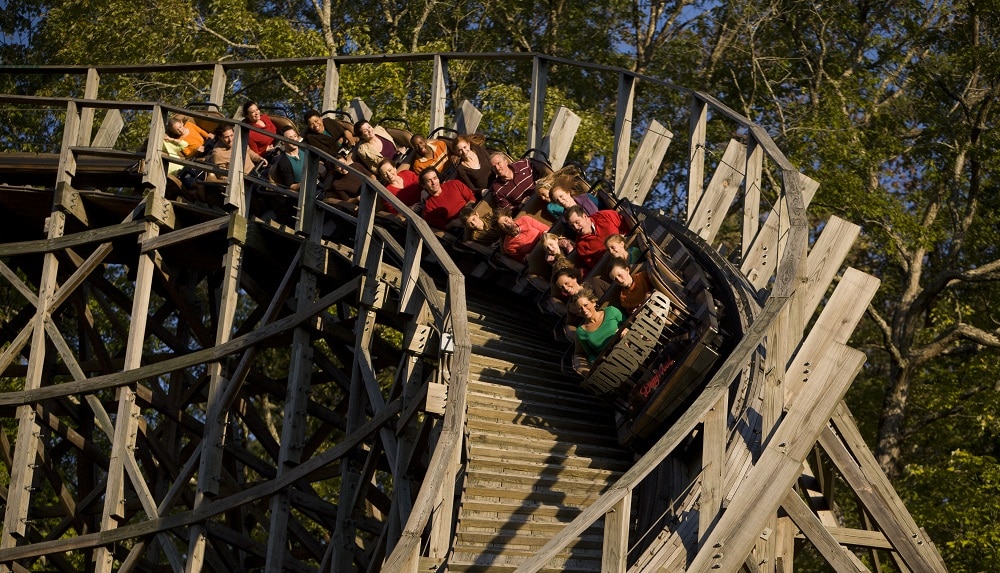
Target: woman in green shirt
(598, 325)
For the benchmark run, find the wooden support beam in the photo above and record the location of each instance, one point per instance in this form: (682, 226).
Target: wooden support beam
(696, 156)
(559, 138)
(713, 463)
(359, 110)
(642, 172)
(851, 456)
(842, 560)
(331, 85)
(87, 113)
(616, 528)
(760, 261)
(751, 194)
(22, 466)
(718, 197)
(439, 92)
(111, 128)
(623, 126)
(536, 111)
(765, 485)
(217, 95)
(126, 420)
(467, 118)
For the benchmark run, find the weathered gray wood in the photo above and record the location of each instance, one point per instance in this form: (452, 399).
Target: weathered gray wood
(842, 560)
(172, 521)
(186, 234)
(217, 92)
(359, 110)
(623, 125)
(87, 113)
(850, 454)
(235, 194)
(536, 109)
(467, 119)
(751, 194)
(331, 85)
(835, 325)
(111, 128)
(696, 155)
(718, 196)
(642, 172)
(559, 138)
(439, 92)
(825, 259)
(22, 468)
(764, 487)
(126, 421)
(761, 260)
(616, 527)
(410, 270)
(713, 462)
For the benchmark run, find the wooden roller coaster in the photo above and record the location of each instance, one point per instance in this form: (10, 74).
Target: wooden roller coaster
(200, 386)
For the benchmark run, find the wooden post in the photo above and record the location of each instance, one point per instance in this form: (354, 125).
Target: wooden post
(439, 92)
(467, 119)
(235, 198)
(87, 113)
(751, 194)
(718, 197)
(536, 114)
(218, 93)
(761, 260)
(111, 128)
(642, 172)
(696, 161)
(623, 128)
(331, 85)
(713, 465)
(559, 138)
(616, 527)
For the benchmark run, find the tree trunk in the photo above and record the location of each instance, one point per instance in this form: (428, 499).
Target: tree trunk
(889, 447)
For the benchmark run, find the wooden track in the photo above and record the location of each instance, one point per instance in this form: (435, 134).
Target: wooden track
(205, 388)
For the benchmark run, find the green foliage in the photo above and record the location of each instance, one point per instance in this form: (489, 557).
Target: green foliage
(959, 501)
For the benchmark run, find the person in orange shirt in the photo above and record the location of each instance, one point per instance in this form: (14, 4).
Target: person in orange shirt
(429, 153)
(192, 134)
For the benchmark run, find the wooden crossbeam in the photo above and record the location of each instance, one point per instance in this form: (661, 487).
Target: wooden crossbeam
(718, 196)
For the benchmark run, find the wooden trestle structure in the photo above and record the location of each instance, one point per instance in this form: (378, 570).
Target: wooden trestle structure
(197, 388)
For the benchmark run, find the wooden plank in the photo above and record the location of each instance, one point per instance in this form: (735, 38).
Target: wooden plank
(850, 454)
(101, 235)
(836, 323)
(439, 91)
(467, 119)
(645, 166)
(751, 194)
(559, 139)
(126, 421)
(616, 528)
(217, 93)
(411, 269)
(536, 109)
(623, 126)
(713, 461)
(718, 196)
(696, 156)
(87, 113)
(22, 468)
(68, 199)
(359, 110)
(331, 85)
(766, 484)
(186, 234)
(761, 259)
(111, 128)
(842, 560)
(825, 259)
(235, 194)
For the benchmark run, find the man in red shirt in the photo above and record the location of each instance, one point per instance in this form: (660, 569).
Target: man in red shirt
(444, 200)
(591, 230)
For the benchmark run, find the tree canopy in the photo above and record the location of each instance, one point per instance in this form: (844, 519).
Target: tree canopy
(890, 105)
